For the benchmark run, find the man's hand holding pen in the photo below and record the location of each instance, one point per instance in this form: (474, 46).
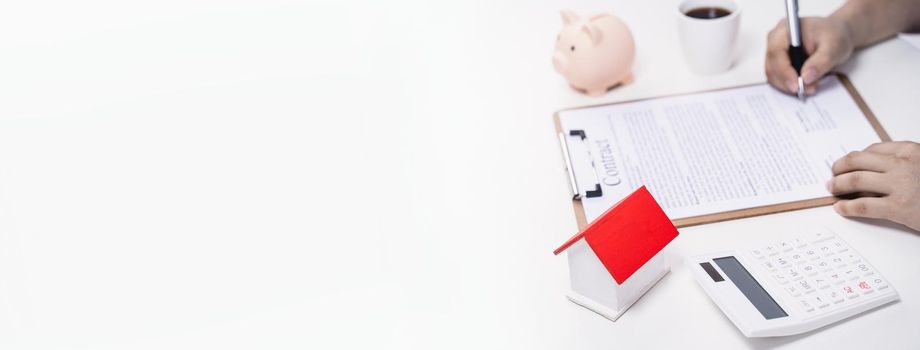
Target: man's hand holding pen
(824, 39)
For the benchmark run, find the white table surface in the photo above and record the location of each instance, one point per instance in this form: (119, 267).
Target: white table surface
(286, 175)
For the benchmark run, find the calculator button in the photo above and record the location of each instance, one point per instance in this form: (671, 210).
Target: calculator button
(785, 246)
(864, 269)
(819, 236)
(850, 274)
(806, 305)
(849, 292)
(797, 258)
(836, 278)
(769, 265)
(798, 242)
(864, 287)
(820, 301)
(823, 265)
(838, 262)
(822, 282)
(825, 249)
(770, 250)
(781, 278)
(793, 290)
(809, 270)
(837, 246)
(835, 296)
(757, 253)
(878, 283)
(851, 258)
(793, 273)
(806, 286)
(811, 254)
(781, 262)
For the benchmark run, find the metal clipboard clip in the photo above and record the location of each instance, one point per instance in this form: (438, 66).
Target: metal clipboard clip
(569, 165)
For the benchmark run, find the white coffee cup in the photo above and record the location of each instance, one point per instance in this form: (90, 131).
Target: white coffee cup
(709, 44)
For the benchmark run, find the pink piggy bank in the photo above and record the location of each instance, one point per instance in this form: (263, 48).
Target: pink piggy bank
(594, 54)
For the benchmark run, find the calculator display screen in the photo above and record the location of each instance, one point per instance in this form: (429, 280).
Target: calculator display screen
(750, 287)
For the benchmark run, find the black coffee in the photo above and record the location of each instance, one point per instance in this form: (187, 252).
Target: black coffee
(708, 12)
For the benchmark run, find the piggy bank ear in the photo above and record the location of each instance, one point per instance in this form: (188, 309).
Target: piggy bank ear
(569, 17)
(593, 32)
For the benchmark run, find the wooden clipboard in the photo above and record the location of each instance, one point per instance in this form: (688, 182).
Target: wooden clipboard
(748, 212)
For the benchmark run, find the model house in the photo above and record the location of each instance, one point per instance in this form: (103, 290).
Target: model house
(617, 257)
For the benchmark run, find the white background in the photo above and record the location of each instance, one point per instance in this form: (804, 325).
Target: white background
(323, 175)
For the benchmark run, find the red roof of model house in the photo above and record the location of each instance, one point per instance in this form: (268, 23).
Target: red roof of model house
(627, 235)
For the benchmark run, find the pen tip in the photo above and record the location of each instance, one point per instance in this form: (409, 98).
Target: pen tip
(801, 89)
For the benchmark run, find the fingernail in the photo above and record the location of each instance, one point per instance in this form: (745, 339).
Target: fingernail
(810, 75)
(792, 85)
(829, 186)
(837, 207)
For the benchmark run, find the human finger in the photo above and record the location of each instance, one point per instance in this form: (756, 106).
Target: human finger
(824, 53)
(781, 75)
(817, 65)
(859, 181)
(862, 161)
(812, 89)
(778, 68)
(891, 147)
(866, 207)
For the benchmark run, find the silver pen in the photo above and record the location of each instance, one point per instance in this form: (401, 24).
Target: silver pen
(797, 53)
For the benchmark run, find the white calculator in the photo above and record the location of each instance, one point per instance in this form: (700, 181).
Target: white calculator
(791, 286)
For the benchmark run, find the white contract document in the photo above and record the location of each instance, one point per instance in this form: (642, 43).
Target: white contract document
(717, 151)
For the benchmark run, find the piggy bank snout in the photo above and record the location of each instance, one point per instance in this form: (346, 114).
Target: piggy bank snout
(560, 62)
